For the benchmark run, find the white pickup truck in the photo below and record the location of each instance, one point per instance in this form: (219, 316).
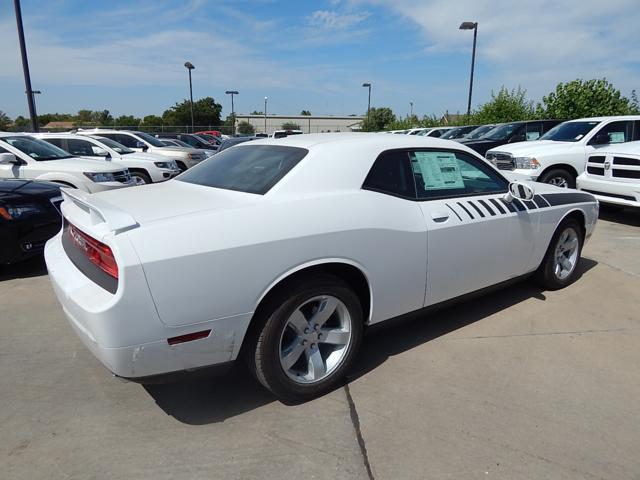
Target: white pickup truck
(561, 154)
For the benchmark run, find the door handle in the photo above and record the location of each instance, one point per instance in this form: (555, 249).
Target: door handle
(440, 217)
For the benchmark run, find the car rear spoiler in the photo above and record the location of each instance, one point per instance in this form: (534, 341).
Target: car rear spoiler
(100, 211)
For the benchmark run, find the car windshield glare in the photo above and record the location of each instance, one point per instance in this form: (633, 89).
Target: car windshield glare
(36, 148)
(150, 139)
(501, 132)
(478, 132)
(251, 168)
(118, 147)
(569, 131)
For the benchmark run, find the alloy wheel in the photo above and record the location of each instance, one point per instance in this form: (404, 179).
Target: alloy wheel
(315, 339)
(566, 254)
(559, 182)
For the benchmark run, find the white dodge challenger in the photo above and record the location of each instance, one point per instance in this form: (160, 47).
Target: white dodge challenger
(283, 251)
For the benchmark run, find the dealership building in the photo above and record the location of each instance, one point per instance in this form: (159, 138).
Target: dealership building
(307, 123)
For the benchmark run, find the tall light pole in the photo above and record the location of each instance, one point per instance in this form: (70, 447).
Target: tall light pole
(368, 85)
(233, 113)
(411, 115)
(190, 67)
(471, 26)
(265, 114)
(25, 68)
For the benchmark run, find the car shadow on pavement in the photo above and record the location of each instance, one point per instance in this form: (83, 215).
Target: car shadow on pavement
(34, 267)
(205, 400)
(629, 216)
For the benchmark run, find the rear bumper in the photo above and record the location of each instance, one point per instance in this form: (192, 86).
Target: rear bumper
(123, 330)
(625, 194)
(22, 239)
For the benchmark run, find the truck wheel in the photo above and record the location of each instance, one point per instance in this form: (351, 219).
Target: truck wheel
(559, 178)
(140, 178)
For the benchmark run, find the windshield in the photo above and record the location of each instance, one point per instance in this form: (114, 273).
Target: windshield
(501, 132)
(118, 147)
(478, 132)
(36, 148)
(250, 169)
(569, 131)
(149, 139)
(453, 133)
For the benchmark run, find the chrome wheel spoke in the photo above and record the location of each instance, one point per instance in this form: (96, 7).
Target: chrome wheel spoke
(317, 367)
(325, 310)
(334, 336)
(298, 322)
(292, 355)
(566, 264)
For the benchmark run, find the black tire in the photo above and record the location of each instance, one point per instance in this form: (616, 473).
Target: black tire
(262, 351)
(141, 178)
(546, 275)
(557, 176)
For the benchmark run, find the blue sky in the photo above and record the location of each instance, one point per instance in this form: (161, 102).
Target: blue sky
(128, 56)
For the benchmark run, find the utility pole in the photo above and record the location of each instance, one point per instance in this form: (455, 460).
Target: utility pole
(25, 68)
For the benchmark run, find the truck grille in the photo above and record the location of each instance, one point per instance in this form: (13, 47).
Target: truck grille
(620, 167)
(503, 161)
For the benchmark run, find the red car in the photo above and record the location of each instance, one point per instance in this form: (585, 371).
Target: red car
(215, 133)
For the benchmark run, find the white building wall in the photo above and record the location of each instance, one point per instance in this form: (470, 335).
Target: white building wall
(308, 124)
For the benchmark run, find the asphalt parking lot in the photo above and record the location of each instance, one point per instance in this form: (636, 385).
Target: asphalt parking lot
(521, 383)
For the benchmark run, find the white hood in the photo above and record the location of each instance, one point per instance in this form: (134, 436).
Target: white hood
(145, 156)
(534, 148)
(80, 164)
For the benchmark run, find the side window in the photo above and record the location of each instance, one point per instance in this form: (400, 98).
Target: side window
(125, 140)
(452, 174)
(58, 142)
(391, 174)
(636, 130)
(619, 132)
(79, 147)
(190, 140)
(534, 131)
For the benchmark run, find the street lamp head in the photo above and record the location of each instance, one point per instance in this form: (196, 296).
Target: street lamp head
(231, 92)
(468, 25)
(366, 85)
(189, 65)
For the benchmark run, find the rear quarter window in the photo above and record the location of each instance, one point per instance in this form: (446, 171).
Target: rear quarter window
(250, 169)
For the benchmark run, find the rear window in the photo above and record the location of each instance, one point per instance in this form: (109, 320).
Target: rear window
(250, 169)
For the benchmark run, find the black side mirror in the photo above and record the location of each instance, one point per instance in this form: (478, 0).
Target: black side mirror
(600, 139)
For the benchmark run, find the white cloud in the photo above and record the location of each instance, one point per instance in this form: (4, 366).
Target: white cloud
(536, 44)
(332, 20)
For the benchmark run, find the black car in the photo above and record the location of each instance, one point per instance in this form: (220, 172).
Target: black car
(510, 133)
(29, 216)
(194, 141)
(458, 132)
(230, 142)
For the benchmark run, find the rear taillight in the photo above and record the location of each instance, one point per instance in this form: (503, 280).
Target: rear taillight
(98, 253)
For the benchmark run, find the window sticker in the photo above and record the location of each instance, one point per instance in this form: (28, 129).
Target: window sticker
(616, 137)
(439, 170)
(532, 136)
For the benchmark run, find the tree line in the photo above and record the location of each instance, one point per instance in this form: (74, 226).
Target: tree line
(576, 99)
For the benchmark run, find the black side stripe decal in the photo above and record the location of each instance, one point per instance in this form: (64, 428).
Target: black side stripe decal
(540, 201)
(530, 205)
(477, 209)
(509, 205)
(499, 207)
(486, 205)
(519, 205)
(554, 199)
(451, 208)
(465, 209)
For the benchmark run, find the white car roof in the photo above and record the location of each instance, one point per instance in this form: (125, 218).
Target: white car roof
(602, 119)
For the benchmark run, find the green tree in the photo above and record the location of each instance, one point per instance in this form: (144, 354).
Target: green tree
(5, 121)
(102, 117)
(290, 126)
(506, 106)
(306, 113)
(580, 98)
(84, 116)
(255, 112)
(127, 121)
(21, 123)
(246, 128)
(205, 112)
(378, 119)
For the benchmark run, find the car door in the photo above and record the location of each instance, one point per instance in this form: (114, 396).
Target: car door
(475, 238)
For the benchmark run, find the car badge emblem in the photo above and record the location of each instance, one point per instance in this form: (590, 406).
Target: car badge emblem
(607, 165)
